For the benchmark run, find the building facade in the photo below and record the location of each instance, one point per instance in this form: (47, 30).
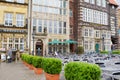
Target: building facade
(13, 27)
(94, 28)
(48, 21)
(73, 22)
(118, 21)
(113, 23)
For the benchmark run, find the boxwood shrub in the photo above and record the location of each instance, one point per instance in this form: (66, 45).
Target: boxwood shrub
(116, 52)
(37, 61)
(52, 65)
(104, 52)
(82, 71)
(29, 59)
(24, 57)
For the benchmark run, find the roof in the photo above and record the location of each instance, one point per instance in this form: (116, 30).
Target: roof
(113, 2)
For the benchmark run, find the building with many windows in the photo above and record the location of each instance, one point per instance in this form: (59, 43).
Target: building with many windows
(48, 21)
(94, 28)
(13, 29)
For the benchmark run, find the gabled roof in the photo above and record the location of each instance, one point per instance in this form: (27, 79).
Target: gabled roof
(113, 2)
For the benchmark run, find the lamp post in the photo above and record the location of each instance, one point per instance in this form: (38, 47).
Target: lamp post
(33, 44)
(33, 35)
(103, 38)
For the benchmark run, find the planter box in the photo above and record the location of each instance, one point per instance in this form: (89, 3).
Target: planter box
(38, 71)
(30, 66)
(52, 76)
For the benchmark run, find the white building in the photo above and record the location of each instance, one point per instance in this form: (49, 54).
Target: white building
(49, 19)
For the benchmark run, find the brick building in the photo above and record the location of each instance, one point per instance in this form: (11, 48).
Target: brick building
(95, 24)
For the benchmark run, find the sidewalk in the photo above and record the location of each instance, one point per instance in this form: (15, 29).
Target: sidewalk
(18, 71)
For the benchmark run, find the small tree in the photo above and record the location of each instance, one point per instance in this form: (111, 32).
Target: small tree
(80, 50)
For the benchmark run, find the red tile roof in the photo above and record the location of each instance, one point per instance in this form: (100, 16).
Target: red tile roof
(113, 2)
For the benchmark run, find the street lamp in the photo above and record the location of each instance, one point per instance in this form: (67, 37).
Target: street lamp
(103, 38)
(33, 35)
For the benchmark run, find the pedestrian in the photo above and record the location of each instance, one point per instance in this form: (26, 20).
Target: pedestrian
(17, 56)
(112, 48)
(38, 52)
(56, 53)
(9, 55)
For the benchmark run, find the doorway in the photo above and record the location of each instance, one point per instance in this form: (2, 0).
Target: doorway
(97, 47)
(39, 48)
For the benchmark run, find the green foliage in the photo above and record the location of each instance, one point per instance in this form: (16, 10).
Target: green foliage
(29, 59)
(82, 71)
(80, 50)
(37, 61)
(116, 52)
(104, 52)
(23, 57)
(52, 65)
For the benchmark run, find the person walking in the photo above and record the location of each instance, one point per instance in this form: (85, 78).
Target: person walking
(9, 55)
(17, 58)
(38, 52)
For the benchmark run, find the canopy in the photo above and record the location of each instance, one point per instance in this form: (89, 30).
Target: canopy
(55, 42)
(70, 42)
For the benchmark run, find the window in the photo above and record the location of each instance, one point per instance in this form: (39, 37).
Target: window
(21, 46)
(8, 19)
(104, 3)
(10, 0)
(90, 32)
(50, 26)
(60, 27)
(97, 33)
(10, 40)
(20, 20)
(21, 40)
(91, 45)
(16, 40)
(86, 32)
(20, 1)
(98, 2)
(55, 27)
(86, 45)
(64, 27)
(92, 1)
(45, 24)
(34, 22)
(39, 25)
(71, 13)
(86, 0)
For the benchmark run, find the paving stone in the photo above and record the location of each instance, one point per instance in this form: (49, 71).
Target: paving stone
(18, 71)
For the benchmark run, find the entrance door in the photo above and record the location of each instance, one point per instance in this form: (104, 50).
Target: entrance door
(97, 47)
(39, 48)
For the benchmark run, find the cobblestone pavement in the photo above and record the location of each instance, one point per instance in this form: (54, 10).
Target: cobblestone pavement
(18, 71)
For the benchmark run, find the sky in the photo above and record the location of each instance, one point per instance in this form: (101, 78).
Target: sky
(118, 1)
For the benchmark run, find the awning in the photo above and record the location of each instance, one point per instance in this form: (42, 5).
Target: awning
(55, 42)
(70, 42)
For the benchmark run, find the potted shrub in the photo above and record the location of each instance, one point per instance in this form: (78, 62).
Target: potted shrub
(82, 71)
(104, 52)
(80, 50)
(24, 58)
(52, 68)
(37, 63)
(29, 61)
